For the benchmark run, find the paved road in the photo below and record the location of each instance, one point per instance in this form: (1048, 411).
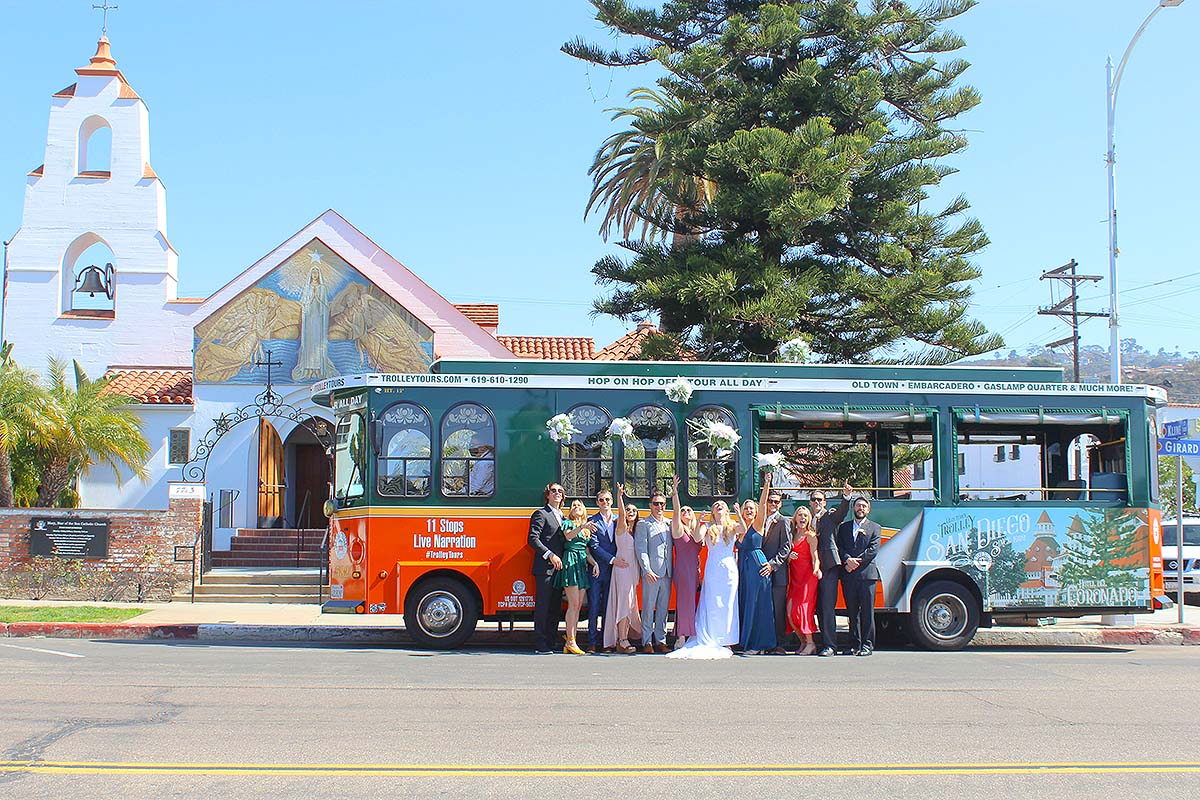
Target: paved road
(110, 718)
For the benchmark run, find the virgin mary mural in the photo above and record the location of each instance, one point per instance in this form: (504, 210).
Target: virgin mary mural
(317, 315)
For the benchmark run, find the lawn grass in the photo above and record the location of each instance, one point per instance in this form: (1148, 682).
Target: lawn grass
(67, 614)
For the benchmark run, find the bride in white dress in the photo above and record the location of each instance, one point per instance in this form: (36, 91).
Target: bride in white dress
(717, 613)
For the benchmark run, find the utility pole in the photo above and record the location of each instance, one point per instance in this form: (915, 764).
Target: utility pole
(1066, 273)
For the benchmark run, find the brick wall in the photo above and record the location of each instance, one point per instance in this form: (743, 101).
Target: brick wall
(130, 532)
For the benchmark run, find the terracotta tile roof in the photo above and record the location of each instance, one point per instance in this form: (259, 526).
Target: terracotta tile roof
(629, 346)
(161, 385)
(486, 315)
(39, 172)
(551, 348)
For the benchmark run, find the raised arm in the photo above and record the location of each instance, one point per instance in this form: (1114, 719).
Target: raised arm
(760, 517)
(843, 507)
(676, 526)
(621, 526)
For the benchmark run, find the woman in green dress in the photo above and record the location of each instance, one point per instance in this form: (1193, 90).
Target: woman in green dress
(577, 564)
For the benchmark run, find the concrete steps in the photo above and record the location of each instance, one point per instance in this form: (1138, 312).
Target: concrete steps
(249, 585)
(272, 547)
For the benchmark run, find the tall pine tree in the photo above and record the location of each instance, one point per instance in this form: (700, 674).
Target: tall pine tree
(793, 145)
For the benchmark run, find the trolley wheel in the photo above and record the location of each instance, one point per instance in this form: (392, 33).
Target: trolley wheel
(945, 616)
(440, 613)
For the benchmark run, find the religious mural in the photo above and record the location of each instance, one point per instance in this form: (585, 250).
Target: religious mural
(319, 318)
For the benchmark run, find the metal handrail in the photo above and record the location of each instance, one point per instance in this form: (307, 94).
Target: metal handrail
(300, 530)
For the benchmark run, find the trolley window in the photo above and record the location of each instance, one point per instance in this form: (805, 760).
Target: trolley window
(405, 448)
(882, 450)
(650, 459)
(586, 462)
(468, 452)
(711, 473)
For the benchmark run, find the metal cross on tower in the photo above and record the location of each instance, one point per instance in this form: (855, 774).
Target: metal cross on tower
(268, 364)
(104, 9)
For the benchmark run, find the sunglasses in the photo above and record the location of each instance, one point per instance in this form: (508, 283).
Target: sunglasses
(556, 491)
(658, 503)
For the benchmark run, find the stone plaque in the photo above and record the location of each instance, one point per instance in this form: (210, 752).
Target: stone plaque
(68, 538)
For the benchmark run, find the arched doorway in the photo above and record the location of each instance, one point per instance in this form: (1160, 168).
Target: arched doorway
(308, 467)
(271, 476)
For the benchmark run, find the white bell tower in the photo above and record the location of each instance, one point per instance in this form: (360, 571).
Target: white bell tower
(96, 189)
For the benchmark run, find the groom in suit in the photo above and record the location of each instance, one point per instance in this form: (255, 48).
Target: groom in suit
(858, 542)
(777, 547)
(547, 548)
(603, 547)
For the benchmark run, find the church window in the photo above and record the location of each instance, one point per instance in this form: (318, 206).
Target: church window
(405, 462)
(179, 443)
(95, 148)
(468, 452)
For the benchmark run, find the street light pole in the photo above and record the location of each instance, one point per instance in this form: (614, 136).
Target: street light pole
(1113, 83)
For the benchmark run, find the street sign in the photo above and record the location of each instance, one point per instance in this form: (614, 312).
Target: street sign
(1179, 447)
(1175, 429)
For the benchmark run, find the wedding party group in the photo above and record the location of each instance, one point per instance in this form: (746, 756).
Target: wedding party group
(764, 576)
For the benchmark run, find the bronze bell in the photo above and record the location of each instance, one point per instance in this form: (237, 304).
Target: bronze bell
(92, 280)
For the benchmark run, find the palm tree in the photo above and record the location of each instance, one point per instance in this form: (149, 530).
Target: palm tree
(643, 174)
(95, 427)
(24, 411)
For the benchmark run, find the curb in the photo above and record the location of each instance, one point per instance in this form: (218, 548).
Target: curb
(233, 632)
(97, 630)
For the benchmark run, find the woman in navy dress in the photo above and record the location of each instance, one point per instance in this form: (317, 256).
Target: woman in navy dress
(754, 588)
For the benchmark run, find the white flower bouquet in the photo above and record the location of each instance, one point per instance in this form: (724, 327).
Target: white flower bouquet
(795, 351)
(621, 428)
(720, 437)
(560, 428)
(680, 391)
(771, 461)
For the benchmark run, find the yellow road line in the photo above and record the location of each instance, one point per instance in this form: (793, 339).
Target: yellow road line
(594, 770)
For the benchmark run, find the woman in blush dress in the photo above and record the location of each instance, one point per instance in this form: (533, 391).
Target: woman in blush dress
(755, 601)
(622, 615)
(687, 538)
(717, 614)
(804, 571)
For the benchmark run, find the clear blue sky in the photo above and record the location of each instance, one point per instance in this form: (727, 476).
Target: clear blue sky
(460, 141)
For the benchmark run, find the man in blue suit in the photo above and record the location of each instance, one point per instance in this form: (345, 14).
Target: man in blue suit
(603, 546)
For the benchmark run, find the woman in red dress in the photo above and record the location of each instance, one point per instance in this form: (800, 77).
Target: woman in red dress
(804, 570)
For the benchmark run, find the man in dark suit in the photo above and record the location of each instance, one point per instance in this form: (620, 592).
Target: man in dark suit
(777, 547)
(544, 525)
(827, 523)
(858, 542)
(603, 547)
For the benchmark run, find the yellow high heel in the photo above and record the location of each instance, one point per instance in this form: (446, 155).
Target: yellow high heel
(571, 648)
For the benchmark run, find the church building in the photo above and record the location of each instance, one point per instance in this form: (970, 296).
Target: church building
(91, 276)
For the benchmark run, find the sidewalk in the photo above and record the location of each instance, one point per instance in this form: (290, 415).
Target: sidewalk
(274, 622)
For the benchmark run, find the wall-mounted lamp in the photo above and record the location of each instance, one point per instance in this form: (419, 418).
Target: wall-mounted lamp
(93, 279)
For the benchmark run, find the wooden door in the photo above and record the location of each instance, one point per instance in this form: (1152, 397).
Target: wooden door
(271, 479)
(312, 481)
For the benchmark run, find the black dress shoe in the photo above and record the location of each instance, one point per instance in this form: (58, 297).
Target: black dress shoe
(825, 652)
(864, 651)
